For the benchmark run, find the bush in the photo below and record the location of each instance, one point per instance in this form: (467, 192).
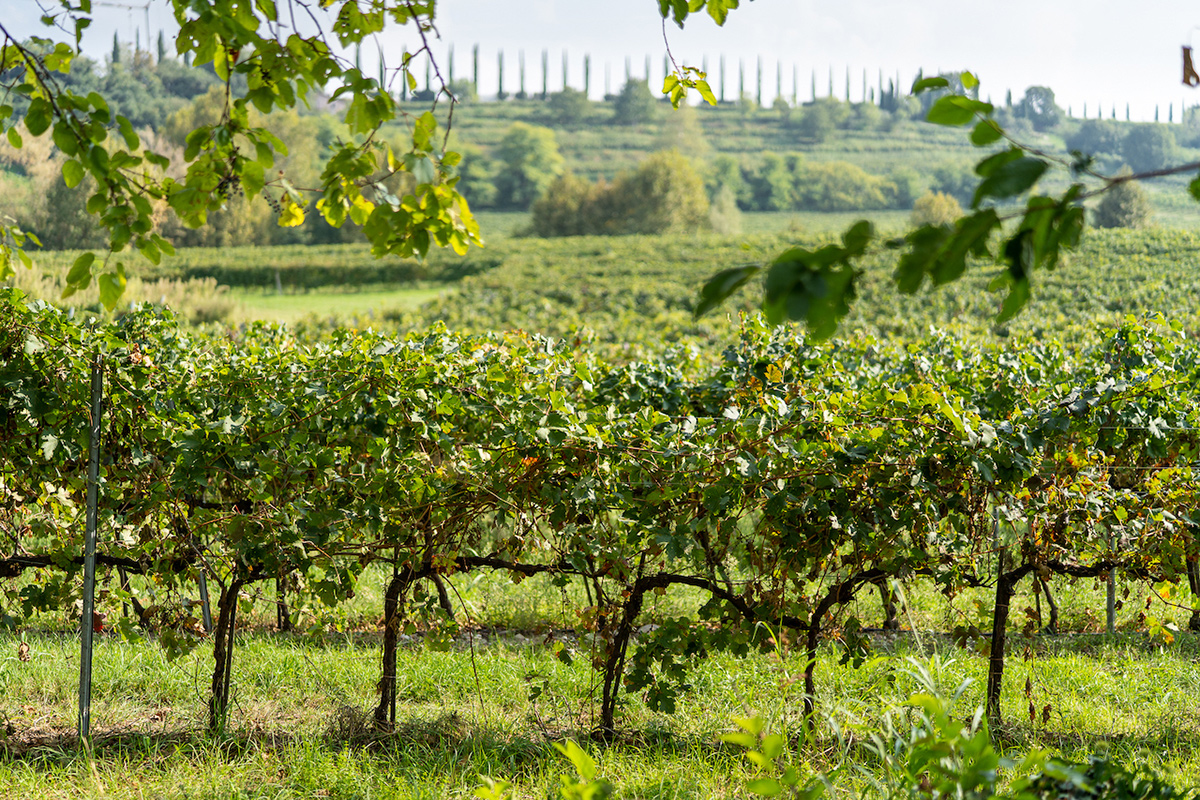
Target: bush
(568, 107)
(529, 162)
(726, 171)
(565, 208)
(635, 104)
(841, 186)
(664, 195)
(724, 216)
(935, 208)
(1148, 147)
(1124, 206)
(773, 184)
(476, 177)
(1096, 136)
(820, 119)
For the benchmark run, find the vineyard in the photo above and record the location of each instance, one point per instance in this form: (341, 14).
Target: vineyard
(764, 486)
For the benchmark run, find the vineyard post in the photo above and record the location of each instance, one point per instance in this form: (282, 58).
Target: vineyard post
(86, 621)
(1111, 600)
(205, 606)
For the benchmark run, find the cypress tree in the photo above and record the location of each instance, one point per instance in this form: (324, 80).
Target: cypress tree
(116, 53)
(500, 94)
(587, 74)
(162, 47)
(450, 64)
(545, 74)
(521, 74)
(758, 84)
(475, 66)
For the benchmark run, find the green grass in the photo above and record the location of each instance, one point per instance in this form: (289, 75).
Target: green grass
(300, 722)
(290, 307)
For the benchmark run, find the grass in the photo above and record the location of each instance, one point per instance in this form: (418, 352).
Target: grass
(300, 722)
(267, 305)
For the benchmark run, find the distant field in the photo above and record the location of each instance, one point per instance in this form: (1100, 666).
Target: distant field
(265, 305)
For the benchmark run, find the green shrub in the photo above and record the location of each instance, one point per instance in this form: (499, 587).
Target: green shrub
(565, 208)
(841, 186)
(935, 208)
(635, 104)
(529, 162)
(1149, 147)
(1126, 205)
(663, 195)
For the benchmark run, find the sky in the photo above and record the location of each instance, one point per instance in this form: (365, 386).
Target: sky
(1105, 53)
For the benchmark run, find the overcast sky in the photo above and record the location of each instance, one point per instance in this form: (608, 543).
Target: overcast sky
(1108, 52)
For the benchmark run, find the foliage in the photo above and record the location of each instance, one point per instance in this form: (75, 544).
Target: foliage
(1039, 107)
(234, 154)
(935, 208)
(724, 216)
(1099, 778)
(1124, 206)
(567, 208)
(664, 195)
(1149, 147)
(820, 118)
(634, 104)
(1095, 136)
(568, 107)
(528, 162)
(840, 186)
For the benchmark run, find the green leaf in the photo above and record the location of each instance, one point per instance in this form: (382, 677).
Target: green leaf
(37, 118)
(14, 138)
(64, 139)
(720, 286)
(584, 764)
(112, 286)
(985, 133)
(925, 84)
(127, 132)
(72, 172)
(956, 110)
(81, 271)
(1194, 188)
(1012, 178)
(767, 787)
(969, 81)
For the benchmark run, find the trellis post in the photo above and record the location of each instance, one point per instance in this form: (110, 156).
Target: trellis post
(87, 619)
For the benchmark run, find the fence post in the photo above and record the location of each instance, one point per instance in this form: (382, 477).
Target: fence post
(1111, 605)
(87, 628)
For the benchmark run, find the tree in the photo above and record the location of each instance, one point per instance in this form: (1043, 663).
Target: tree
(568, 107)
(935, 208)
(663, 195)
(242, 44)
(1125, 206)
(1039, 108)
(529, 162)
(1096, 136)
(634, 105)
(1149, 147)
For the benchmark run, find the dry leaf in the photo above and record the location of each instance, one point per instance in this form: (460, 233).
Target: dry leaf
(23, 651)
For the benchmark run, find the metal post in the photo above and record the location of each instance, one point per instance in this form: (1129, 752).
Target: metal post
(89, 556)
(205, 609)
(1111, 621)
